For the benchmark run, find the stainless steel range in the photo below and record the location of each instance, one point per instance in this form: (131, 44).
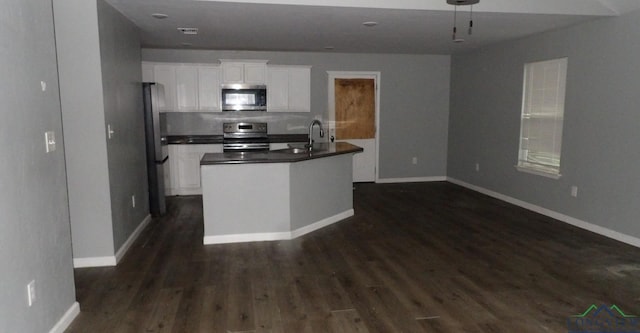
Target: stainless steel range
(245, 137)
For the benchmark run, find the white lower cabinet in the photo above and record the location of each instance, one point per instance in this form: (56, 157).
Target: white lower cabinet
(184, 168)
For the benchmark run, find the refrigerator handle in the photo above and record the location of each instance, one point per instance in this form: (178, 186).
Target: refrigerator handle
(163, 160)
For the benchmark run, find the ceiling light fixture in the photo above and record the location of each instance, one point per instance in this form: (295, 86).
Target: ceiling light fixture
(159, 16)
(370, 24)
(457, 3)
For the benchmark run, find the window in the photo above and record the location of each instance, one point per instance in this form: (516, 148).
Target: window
(542, 117)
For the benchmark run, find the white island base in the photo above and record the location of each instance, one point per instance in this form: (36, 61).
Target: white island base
(275, 201)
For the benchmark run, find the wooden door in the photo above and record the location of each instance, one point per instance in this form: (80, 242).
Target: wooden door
(354, 120)
(355, 109)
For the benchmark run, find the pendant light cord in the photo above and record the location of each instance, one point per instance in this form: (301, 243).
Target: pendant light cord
(455, 13)
(471, 20)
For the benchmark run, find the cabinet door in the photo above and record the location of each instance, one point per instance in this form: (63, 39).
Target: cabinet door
(147, 72)
(166, 74)
(187, 88)
(168, 186)
(232, 72)
(255, 73)
(277, 89)
(209, 88)
(171, 169)
(188, 167)
(299, 89)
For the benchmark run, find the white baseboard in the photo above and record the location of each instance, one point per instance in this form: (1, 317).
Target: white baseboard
(558, 216)
(112, 260)
(127, 244)
(274, 236)
(321, 224)
(411, 180)
(66, 319)
(94, 262)
(241, 238)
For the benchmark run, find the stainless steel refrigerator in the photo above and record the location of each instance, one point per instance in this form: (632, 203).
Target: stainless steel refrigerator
(157, 149)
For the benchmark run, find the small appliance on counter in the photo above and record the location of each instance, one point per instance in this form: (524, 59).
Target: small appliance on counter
(244, 97)
(157, 148)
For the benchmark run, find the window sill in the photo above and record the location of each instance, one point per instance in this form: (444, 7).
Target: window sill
(538, 172)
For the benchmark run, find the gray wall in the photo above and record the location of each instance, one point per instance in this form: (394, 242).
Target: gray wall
(84, 127)
(319, 189)
(600, 151)
(99, 55)
(414, 102)
(122, 91)
(34, 220)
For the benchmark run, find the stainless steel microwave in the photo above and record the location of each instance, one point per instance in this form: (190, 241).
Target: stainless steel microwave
(244, 97)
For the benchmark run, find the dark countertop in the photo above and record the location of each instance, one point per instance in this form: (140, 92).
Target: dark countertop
(193, 139)
(284, 138)
(217, 139)
(281, 155)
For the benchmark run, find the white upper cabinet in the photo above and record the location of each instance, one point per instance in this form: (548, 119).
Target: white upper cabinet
(300, 89)
(244, 71)
(277, 88)
(209, 88)
(147, 72)
(196, 87)
(232, 72)
(166, 75)
(187, 87)
(288, 88)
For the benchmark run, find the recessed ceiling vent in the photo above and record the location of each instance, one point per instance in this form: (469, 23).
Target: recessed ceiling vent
(189, 31)
(462, 2)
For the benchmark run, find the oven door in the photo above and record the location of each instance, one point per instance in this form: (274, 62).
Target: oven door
(237, 97)
(245, 145)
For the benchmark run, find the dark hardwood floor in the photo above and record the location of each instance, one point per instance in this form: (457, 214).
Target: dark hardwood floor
(422, 257)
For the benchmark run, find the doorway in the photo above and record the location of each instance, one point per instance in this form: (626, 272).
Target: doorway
(354, 117)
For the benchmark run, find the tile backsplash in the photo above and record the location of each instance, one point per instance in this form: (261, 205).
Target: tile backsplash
(203, 123)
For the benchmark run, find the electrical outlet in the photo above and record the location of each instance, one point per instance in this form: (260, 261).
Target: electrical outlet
(414, 160)
(574, 191)
(477, 167)
(133, 201)
(31, 292)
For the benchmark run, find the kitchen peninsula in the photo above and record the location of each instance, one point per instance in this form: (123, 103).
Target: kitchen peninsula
(276, 195)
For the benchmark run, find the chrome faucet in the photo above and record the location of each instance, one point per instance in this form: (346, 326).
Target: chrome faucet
(314, 122)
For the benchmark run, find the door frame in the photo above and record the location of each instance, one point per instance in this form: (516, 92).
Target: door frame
(332, 75)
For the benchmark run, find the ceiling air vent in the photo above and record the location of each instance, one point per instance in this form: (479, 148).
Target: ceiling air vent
(189, 31)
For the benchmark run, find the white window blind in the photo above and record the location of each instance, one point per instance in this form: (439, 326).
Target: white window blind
(542, 116)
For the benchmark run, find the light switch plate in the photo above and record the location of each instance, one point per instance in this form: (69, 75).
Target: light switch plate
(31, 292)
(110, 131)
(50, 141)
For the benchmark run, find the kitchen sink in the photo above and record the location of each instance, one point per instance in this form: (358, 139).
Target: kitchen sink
(296, 150)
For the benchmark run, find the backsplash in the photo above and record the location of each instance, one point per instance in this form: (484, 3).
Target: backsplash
(204, 123)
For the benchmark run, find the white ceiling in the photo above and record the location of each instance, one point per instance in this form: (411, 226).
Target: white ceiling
(404, 26)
